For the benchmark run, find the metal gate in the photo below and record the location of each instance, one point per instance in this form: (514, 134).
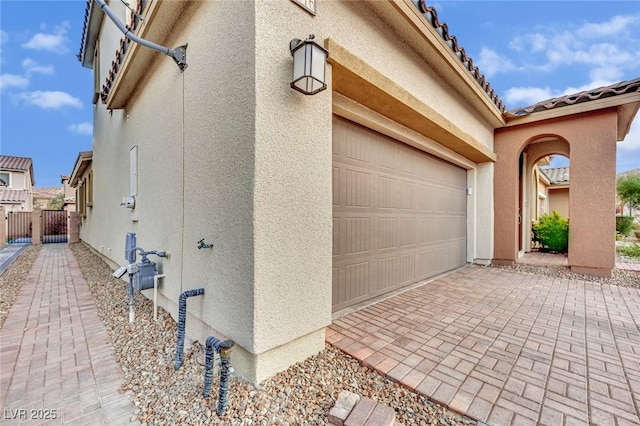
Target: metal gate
(19, 227)
(54, 226)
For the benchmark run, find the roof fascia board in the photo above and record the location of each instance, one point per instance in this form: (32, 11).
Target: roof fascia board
(600, 104)
(433, 38)
(96, 16)
(138, 59)
(82, 162)
(626, 115)
(357, 80)
(544, 178)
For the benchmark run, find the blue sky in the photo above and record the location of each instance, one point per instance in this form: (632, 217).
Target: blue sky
(530, 51)
(45, 110)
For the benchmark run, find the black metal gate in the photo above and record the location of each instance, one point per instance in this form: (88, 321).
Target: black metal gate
(19, 227)
(54, 226)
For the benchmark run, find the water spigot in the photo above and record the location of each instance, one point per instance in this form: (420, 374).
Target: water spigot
(202, 244)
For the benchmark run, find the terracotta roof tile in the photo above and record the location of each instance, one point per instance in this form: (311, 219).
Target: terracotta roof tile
(557, 175)
(431, 16)
(586, 96)
(13, 195)
(85, 29)
(8, 162)
(119, 55)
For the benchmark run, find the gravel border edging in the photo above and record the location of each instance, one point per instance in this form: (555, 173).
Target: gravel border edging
(13, 277)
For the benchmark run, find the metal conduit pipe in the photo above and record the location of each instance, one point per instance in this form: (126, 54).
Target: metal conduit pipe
(179, 54)
(224, 349)
(182, 318)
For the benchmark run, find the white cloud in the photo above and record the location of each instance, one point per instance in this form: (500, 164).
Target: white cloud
(535, 42)
(606, 73)
(84, 128)
(13, 80)
(602, 54)
(30, 66)
(599, 45)
(51, 42)
(525, 96)
(613, 27)
(49, 99)
(491, 63)
(632, 141)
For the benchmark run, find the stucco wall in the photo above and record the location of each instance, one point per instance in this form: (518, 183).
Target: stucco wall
(559, 200)
(229, 153)
(592, 141)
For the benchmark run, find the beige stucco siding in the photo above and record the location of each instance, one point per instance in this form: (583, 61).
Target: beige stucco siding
(389, 44)
(228, 153)
(218, 165)
(559, 200)
(292, 187)
(193, 133)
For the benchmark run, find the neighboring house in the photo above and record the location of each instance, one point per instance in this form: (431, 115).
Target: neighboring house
(69, 195)
(408, 165)
(558, 189)
(539, 197)
(16, 183)
(81, 181)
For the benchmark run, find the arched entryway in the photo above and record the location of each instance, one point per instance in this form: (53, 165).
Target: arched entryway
(534, 184)
(589, 139)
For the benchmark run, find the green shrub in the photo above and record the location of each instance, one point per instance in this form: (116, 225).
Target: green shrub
(553, 232)
(632, 250)
(624, 225)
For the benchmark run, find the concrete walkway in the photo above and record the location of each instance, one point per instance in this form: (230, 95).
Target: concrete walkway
(56, 361)
(508, 348)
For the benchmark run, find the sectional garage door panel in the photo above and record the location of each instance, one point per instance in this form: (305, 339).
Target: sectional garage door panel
(399, 214)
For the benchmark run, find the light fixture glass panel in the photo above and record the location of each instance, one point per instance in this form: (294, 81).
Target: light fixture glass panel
(298, 63)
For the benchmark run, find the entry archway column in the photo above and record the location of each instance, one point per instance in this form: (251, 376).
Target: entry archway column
(592, 138)
(592, 194)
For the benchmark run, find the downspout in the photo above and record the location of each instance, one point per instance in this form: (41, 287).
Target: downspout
(179, 54)
(224, 349)
(182, 318)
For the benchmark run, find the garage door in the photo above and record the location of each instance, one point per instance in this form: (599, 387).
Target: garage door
(399, 214)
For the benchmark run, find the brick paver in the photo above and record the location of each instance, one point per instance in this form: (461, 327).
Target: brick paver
(55, 356)
(507, 348)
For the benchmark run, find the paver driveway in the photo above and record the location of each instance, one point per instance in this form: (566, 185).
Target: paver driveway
(56, 361)
(507, 348)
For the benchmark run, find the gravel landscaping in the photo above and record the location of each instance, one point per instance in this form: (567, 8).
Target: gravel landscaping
(11, 280)
(301, 395)
(621, 278)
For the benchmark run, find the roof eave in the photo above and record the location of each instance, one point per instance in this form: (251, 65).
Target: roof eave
(626, 104)
(456, 72)
(91, 37)
(82, 162)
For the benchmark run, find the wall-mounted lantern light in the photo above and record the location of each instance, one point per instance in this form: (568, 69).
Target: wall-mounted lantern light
(309, 63)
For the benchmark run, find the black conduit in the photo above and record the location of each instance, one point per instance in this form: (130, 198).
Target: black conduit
(182, 318)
